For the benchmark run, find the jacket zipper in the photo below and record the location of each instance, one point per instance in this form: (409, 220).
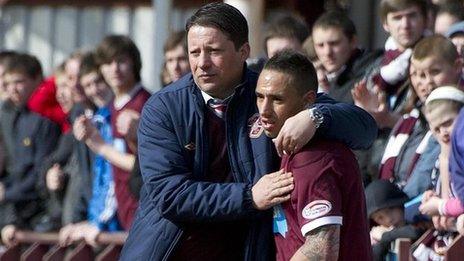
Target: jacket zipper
(173, 245)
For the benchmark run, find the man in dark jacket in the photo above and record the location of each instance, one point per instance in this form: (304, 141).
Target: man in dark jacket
(28, 138)
(198, 164)
(336, 46)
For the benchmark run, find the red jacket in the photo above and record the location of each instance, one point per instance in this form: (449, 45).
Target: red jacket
(43, 101)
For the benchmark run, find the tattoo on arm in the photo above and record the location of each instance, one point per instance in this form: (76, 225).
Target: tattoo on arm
(322, 243)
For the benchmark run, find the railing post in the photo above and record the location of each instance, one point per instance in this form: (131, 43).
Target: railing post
(82, 252)
(403, 249)
(110, 253)
(455, 251)
(56, 253)
(11, 254)
(35, 252)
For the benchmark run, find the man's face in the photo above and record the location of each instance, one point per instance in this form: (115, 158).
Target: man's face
(277, 101)
(405, 26)
(443, 22)
(19, 87)
(177, 63)
(64, 94)
(72, 73)
(277, 44)
(432, 72)
(119, 73)
(96, 89)
(441, 123)
(333, 48)
(216, 65)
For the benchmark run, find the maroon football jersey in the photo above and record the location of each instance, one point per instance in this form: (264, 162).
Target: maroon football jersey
(127, 203)
(328, 190)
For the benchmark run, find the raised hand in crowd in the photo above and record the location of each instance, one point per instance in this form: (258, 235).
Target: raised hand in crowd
(444, 223)
(375, 102)
(460, 224)
(85, 131)
(431, 206)
(54, 178)
(76, 232)
(377, 232)
(127, 124)
(8, 235)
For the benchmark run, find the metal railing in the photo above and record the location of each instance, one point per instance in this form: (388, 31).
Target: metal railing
(32, 246)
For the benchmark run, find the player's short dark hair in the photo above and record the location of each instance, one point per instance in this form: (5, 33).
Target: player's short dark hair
(300, 69)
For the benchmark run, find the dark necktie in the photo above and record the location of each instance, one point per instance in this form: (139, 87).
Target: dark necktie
(218, 107)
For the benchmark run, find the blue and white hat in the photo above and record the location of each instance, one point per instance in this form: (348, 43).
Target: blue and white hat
(455, 29)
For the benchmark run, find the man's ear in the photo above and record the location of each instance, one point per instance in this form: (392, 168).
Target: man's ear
(310, 97)
(354, 42)
(385, 26)
(245, 51)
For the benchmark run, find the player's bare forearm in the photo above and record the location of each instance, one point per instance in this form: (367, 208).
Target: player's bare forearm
(322, 243)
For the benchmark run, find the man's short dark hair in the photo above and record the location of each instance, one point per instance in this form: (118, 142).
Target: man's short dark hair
(300, 69)
(336, 19)
(224, 17)
(287, 26)
(25, 64)
(114, 46)
(175, 39)
(390, 6)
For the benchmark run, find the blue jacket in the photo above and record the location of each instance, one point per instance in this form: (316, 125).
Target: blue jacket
(173, 151)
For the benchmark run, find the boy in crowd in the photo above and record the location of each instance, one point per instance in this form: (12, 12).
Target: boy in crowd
(385, 206)
(120, 64)
(442, 109)
(434, 63)
(28, 138)
(55, 169)
(175, 56)
(326, 210)
(88, 128)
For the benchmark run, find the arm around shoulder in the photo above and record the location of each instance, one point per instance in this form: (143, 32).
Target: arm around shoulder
(346, 123)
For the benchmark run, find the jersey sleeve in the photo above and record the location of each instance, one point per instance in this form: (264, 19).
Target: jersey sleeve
(319, 200)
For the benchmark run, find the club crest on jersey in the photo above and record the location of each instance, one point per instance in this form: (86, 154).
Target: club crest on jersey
(255, 125)
(317, 208)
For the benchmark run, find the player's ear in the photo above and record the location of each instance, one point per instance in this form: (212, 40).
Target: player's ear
(310, 97)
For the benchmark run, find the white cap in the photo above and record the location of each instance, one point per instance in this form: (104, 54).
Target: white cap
(446, 93)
